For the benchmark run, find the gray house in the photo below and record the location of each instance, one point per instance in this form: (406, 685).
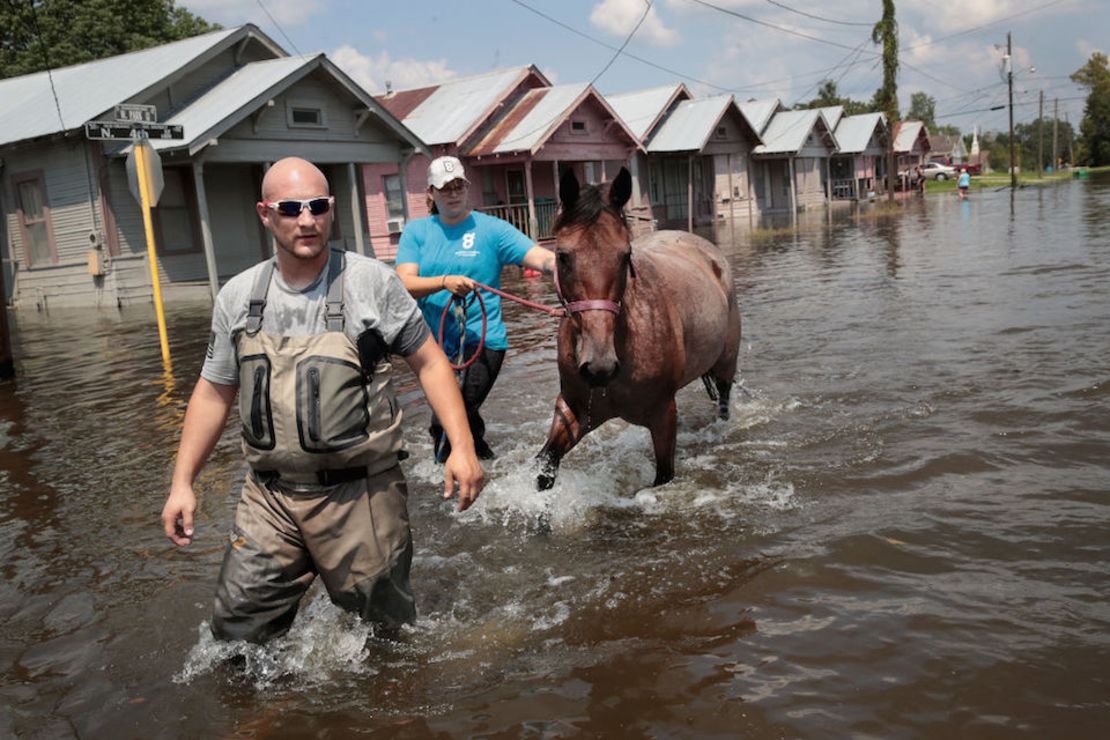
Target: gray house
(71, 232)
(792, 165)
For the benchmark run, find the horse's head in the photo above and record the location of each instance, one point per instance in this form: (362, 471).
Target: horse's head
(593, 263)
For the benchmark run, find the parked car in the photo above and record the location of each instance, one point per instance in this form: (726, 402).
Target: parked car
(972, 168)
(938, 171)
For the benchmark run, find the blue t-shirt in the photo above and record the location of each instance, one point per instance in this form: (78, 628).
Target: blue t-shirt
(478, 247)
(965, 180)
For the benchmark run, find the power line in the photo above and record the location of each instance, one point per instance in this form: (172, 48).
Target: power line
(630, 35)
(986, 25)
(279, 28)
(817, 17)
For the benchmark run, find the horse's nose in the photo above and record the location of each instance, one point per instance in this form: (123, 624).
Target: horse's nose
(599, 373)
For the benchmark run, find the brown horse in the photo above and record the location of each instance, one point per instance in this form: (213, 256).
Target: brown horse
(642, 320)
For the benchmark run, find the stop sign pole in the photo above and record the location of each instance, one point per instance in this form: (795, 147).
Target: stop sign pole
(138, 123)
(142, 151)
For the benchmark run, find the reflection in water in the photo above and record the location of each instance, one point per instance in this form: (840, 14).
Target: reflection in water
(900, 532)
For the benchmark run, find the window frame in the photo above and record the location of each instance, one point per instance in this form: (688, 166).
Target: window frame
(295, 105)
(189, 191)
(38, 177)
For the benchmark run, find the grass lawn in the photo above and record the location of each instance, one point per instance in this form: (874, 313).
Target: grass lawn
(1002, 179)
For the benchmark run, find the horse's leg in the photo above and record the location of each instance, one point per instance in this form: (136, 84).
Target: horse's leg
(566, 430)
(724, 371)
(664, 432)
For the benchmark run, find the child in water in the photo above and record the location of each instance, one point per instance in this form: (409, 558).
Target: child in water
(964, 183)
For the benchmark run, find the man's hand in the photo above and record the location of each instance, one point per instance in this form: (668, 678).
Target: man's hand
(177, 514)
(463, 471)
(457, 285)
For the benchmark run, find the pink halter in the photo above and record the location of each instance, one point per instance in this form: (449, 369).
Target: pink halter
(596, 304)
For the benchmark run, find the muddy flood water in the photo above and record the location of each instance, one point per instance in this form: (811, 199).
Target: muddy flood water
(902, 531)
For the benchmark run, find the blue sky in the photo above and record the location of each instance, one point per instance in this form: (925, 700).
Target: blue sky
(949, 46)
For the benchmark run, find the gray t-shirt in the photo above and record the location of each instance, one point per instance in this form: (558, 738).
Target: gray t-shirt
(373, 298)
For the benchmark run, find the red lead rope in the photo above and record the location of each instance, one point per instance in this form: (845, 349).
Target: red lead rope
(555, 312)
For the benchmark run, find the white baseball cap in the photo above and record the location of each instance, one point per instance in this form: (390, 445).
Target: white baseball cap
(443, 170)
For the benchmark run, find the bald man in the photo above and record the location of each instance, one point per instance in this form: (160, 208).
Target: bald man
(304, 340)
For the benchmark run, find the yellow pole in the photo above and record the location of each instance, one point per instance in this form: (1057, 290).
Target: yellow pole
(142, 169)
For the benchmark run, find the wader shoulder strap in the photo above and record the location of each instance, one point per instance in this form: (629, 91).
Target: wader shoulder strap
(336, 266)
(258, 297)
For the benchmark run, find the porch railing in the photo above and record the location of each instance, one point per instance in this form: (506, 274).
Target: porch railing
(517, 215)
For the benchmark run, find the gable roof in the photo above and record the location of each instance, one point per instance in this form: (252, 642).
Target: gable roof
(947, 144)
(906, 134)
(643, 109)
(759, 112)
(87, 91)
(250, 87)
(692, 122)
(854, 133)
(450, 112)
(788, 130)
(832, 114)
(534, 117)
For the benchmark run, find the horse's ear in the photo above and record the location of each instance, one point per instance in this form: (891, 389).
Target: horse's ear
(568, 189)
(621, 189)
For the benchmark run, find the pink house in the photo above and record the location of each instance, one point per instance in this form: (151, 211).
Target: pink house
(514, 132)
(858, 166)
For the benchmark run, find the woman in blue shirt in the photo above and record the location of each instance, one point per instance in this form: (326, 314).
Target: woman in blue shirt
(443, 256)
(964, 183)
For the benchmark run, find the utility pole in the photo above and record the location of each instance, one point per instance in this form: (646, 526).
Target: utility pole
(1010, 83)
(1040, 139)
(1055, 127)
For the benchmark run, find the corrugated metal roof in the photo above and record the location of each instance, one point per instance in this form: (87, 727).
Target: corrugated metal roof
(219, 104)
(854, 132)
(689, 125)
(86, 91)
(907, 134)
(759, 112)
(545, 113)
(639, 110)
(832, 114)
(788, 131)
(446, 115)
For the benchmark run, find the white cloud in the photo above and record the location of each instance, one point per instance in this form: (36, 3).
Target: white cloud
(373, 72)
(619, 17)
(1086, 48)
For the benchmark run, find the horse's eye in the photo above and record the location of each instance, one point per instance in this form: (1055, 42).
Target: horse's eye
(564, 258)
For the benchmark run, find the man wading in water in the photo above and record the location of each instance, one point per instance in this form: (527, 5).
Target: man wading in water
(304, 339)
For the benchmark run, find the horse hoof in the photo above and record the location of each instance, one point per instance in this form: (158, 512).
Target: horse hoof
(661, 478)
(544, 482)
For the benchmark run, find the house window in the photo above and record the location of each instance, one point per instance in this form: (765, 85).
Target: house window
(394, 196)
(722, 132)
(305, 115)
(577, 127)
(34, 219)
(489, 188)
(176, 215)
(514, 184)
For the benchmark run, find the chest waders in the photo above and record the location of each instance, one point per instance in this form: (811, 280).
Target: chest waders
(321, 430)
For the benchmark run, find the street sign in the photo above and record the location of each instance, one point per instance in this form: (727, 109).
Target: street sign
(136, 112)
(123, 130)
(153, 171)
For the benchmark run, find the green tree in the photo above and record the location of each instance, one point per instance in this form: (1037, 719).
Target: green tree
(923, 107)
(1095, 126)
(828, 95)
(885, 32)
(41, 34)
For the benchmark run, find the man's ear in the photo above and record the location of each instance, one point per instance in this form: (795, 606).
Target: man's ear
(263, 212)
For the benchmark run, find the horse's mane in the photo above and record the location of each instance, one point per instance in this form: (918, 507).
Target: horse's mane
(591, 203)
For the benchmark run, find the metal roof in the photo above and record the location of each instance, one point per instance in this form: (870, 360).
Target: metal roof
(832, 114)
(854, 132)
(641, 109)
(457, 106)
(759, 112)
(548, 108)
(203, 117)
(689, 126)
(249, 88)
(788, 130)
(907, 134)
(86, 91)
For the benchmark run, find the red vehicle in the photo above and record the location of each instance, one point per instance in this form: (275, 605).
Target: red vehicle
(972, 168)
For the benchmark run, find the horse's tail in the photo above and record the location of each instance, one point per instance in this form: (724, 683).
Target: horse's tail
(710, 386)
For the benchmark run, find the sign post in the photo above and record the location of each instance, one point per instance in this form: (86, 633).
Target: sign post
(138, 123)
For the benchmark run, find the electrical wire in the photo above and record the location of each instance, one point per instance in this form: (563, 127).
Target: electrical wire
(817, 17)
(279, 28)
(632, 33)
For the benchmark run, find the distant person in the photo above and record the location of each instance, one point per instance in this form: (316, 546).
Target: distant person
(919, 182)
(964, 183)
(304, 339)
(441, 257)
